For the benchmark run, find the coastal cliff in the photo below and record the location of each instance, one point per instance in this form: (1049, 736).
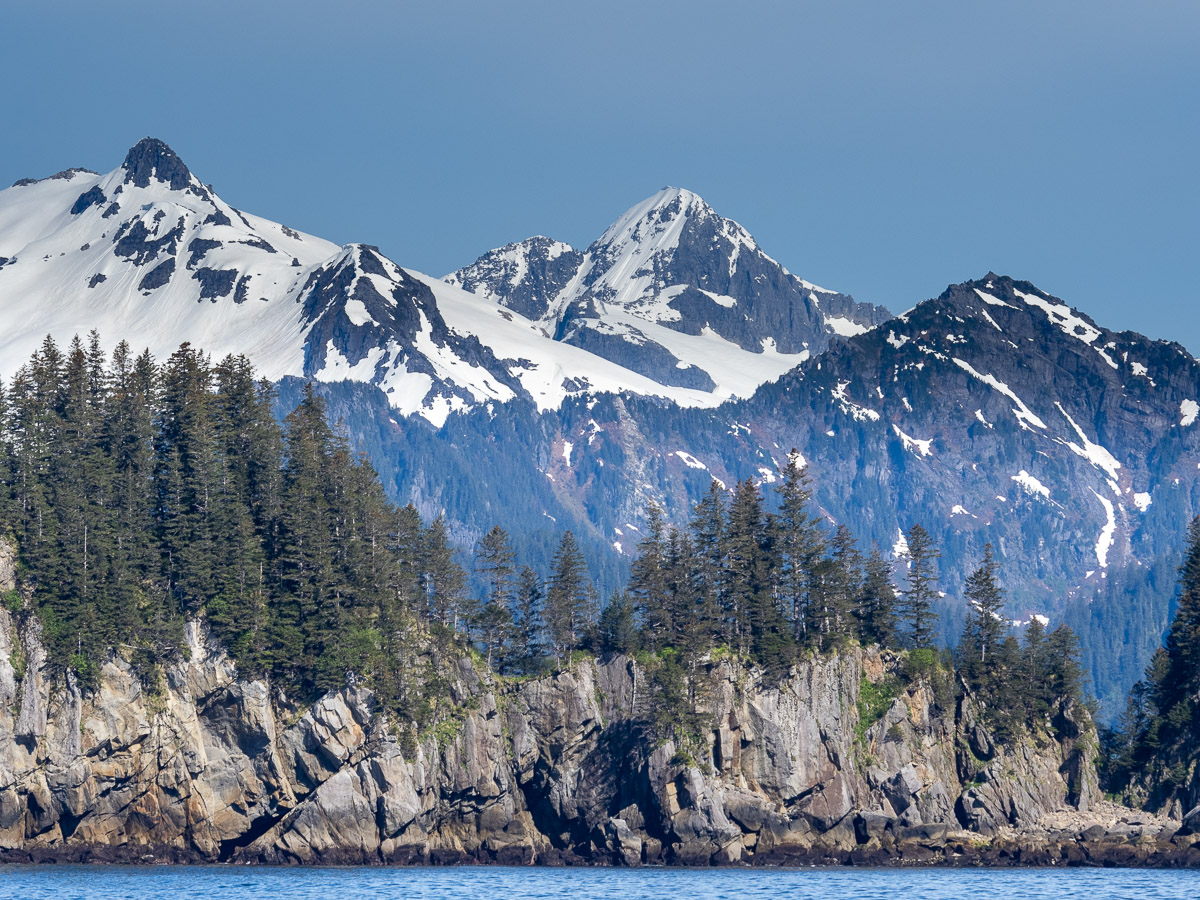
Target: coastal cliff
(819, 765)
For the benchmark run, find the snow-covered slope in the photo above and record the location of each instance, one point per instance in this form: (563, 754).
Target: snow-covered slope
(674, 291)
(149, 254)
(433, 348)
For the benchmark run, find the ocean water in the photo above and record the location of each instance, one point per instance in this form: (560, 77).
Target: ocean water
(496, 883)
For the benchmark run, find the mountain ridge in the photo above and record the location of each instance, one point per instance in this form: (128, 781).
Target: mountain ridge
(149, 252)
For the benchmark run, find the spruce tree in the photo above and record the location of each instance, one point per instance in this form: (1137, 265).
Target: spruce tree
(648, 587)
(617, 628)
(916, 605)
(985, 629)
(570, 598)
(800, 545)
(527, 645)
(445, 581)
(708, 546)
(877, 602)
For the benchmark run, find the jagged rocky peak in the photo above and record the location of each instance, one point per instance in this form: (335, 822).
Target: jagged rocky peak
(676, 293)
(152, 160)
(525, 276)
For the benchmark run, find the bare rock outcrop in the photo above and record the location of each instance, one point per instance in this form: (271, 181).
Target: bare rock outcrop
(562, 768)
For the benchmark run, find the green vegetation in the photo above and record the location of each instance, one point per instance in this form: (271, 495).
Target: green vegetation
(874, 700)
(142, 495)
(1152, 752)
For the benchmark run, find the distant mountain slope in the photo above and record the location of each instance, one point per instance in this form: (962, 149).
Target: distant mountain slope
(992, 413)
(674, 291)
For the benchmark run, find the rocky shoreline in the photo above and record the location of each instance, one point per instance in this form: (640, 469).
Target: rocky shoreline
(918, 846)
(557, 770)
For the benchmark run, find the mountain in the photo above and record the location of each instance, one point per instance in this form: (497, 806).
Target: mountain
(992, 413)
(544, 388)
(150, 254)
(674, 291)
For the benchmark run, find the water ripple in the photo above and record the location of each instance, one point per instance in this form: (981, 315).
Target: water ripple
(496, 883)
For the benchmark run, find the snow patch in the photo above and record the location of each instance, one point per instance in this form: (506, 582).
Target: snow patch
(1105, 541)
(845, 327)
(1021, 411)
(992, 300)
(1188, 410)
(1142, 500)
(690, 461)
(1031, 484)
(356, 312)
(919, 447)
(1064, 317)
(1097, 455)
(720, 299)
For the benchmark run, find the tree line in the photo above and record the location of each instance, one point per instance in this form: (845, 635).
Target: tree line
(774, 585)
(142, 494)
(1151, 752)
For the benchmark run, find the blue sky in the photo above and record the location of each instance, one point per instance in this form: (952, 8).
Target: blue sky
(884, 149)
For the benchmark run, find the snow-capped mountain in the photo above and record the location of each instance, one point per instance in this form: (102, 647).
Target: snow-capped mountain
(674, 291)
(149, 254)
(592, 383)
(992, 413)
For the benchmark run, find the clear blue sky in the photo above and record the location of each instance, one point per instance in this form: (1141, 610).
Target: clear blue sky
(884, 149)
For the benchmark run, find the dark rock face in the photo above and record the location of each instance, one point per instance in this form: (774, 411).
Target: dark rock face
(644, 357)
(555, 770)
(64, 175)
(525, 276)
(156, 277)
(89, 198)
(151, 159)
(198, 248)
(348, 313)
(138, 244)
(670, 262)
(215, 283)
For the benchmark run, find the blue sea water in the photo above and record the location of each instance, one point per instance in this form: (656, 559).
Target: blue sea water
(495, 883)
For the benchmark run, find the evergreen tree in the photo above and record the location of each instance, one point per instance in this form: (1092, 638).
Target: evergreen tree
(877, 602)
(916, 605)
(843, 583)
(708, 546)
(527, 651)
(618, 631)
(570, 599)
(648, 582)
(1034, 668)
(1177, 687)
(495, 562)
(445, 580)
(759, 627)
(800, 544)
(985, 627)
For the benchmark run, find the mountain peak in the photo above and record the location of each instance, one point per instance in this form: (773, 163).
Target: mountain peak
(151, 159)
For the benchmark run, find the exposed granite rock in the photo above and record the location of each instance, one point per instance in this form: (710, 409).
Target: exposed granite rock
(555, 769)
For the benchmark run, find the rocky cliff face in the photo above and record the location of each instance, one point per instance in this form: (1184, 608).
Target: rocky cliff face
(556, 769)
